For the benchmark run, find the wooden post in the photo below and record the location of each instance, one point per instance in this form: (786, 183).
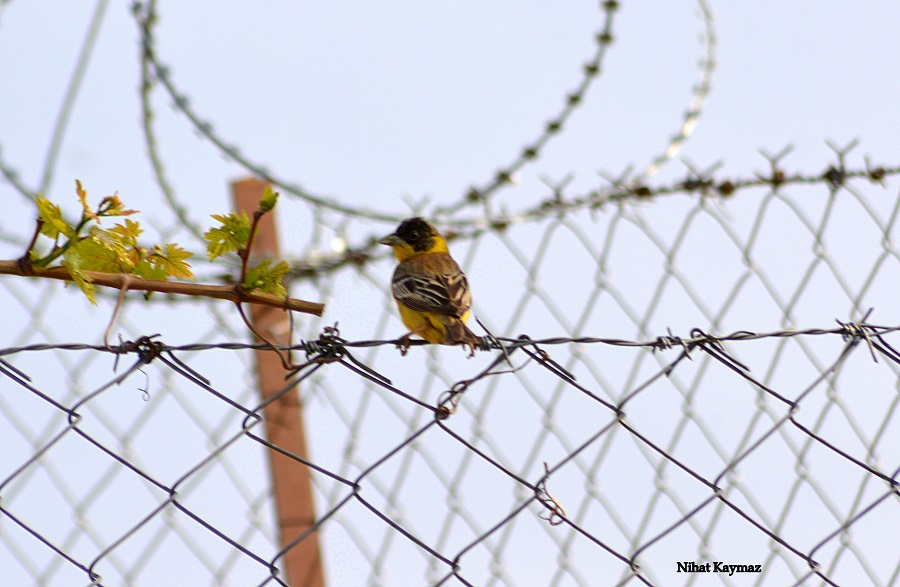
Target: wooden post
(291, 480)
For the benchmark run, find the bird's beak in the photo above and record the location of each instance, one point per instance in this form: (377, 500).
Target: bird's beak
(391, 240)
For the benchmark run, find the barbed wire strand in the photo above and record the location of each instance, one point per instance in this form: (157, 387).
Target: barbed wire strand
(334, 351)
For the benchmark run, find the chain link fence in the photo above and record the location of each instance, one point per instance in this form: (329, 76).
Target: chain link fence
(687, 381)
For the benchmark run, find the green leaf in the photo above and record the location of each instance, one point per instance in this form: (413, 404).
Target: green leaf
(85, 284)
(177, 258)
(166, 261)
(100, 251)
(53, 225)
(128, 233)
(268, 278)
(82, 197)
(268, 200)
(72, 260)
(152, 267)
(117, 250)
(231, 236)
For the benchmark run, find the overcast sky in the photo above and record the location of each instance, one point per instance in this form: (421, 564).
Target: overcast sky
(401, 106)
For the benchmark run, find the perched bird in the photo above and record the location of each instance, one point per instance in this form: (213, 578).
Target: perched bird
(431, 290)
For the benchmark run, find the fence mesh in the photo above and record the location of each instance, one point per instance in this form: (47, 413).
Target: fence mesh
(693, 381)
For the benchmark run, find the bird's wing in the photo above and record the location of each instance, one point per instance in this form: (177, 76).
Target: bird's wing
(432, 283)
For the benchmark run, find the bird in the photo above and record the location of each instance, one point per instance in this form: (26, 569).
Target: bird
(431, 291)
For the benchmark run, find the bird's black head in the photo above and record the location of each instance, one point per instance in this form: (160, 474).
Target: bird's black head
(418, 233)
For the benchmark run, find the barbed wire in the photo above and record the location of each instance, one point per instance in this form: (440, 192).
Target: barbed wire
(835, 176)
(330, 344)
(621, 191)
(146, 18)
(534, 496)
(560, 458)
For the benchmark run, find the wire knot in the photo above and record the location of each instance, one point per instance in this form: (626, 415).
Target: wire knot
(146, 348)
(669, 341)
(328, 347)
(484, 343)
(450, 399)
(852, 332)
(557, 513)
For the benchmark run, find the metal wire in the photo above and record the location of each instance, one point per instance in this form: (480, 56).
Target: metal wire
(652, 407)
(716, 486)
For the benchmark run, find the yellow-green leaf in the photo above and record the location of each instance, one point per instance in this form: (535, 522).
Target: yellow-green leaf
(53, 225)
(82, 197)
(164, 262)
(232, 235)
(101, 252)
(268, 200)
(72, 261)
(267, 278)
(127, 233)
(152, 267)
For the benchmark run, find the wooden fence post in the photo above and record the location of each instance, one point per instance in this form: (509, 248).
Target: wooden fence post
(291, 480)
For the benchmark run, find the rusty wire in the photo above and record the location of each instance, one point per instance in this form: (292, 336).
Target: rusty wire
(541, 499)
(578, 455)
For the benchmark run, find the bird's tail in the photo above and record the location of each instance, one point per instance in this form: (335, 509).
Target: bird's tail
(456, 332)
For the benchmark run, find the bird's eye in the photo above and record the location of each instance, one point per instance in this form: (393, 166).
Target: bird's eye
(414, 235)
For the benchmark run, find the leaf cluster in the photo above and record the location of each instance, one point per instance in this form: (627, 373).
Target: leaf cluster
(234, 235)
(85, 246)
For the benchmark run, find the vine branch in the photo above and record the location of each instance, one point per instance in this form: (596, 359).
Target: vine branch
(121, 280)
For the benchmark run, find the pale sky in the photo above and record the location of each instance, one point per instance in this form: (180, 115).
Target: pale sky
(403, 106)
